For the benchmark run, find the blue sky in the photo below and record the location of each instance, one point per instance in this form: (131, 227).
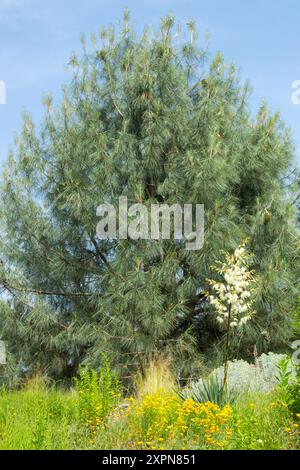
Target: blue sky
(37, 36)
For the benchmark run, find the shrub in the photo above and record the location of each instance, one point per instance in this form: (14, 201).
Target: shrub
(245, 377)
(289, 386)
(294, 391)
(98, 393)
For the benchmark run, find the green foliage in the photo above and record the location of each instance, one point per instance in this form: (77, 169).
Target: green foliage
(41, 418)
(294, 393)
(262, 424)
(211, 390)
(159, 121)
(37, 418)
(295, 397)
(98, 393)
(289, 384)
(296, 320)
(284, 374)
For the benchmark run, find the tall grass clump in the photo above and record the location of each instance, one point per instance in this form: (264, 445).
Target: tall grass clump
(156, 376)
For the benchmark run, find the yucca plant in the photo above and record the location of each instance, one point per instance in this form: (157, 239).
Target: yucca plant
(211, 390)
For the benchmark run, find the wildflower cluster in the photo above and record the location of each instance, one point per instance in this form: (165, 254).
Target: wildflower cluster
(99, 393)
(163, 419)
(232, 297)
(293, 429)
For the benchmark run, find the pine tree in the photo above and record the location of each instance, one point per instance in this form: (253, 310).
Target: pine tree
(157, 120)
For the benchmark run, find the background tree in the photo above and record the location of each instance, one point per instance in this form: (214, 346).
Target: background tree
(156, 120)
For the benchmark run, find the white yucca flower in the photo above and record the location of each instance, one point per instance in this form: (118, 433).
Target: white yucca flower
(231, 298)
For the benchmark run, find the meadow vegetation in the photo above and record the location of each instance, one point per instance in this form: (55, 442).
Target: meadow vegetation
(97, 414)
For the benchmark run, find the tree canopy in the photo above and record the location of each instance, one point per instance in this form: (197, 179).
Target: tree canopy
(154, 118)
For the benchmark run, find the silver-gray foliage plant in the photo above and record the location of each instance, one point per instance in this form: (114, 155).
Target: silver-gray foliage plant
(243, 377)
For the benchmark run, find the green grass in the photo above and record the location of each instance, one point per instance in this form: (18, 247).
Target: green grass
(262, 423)
(38, 417)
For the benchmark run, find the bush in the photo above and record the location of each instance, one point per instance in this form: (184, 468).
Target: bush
(289, 386)
(98, 394)
(294, 393)
(244, 377)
